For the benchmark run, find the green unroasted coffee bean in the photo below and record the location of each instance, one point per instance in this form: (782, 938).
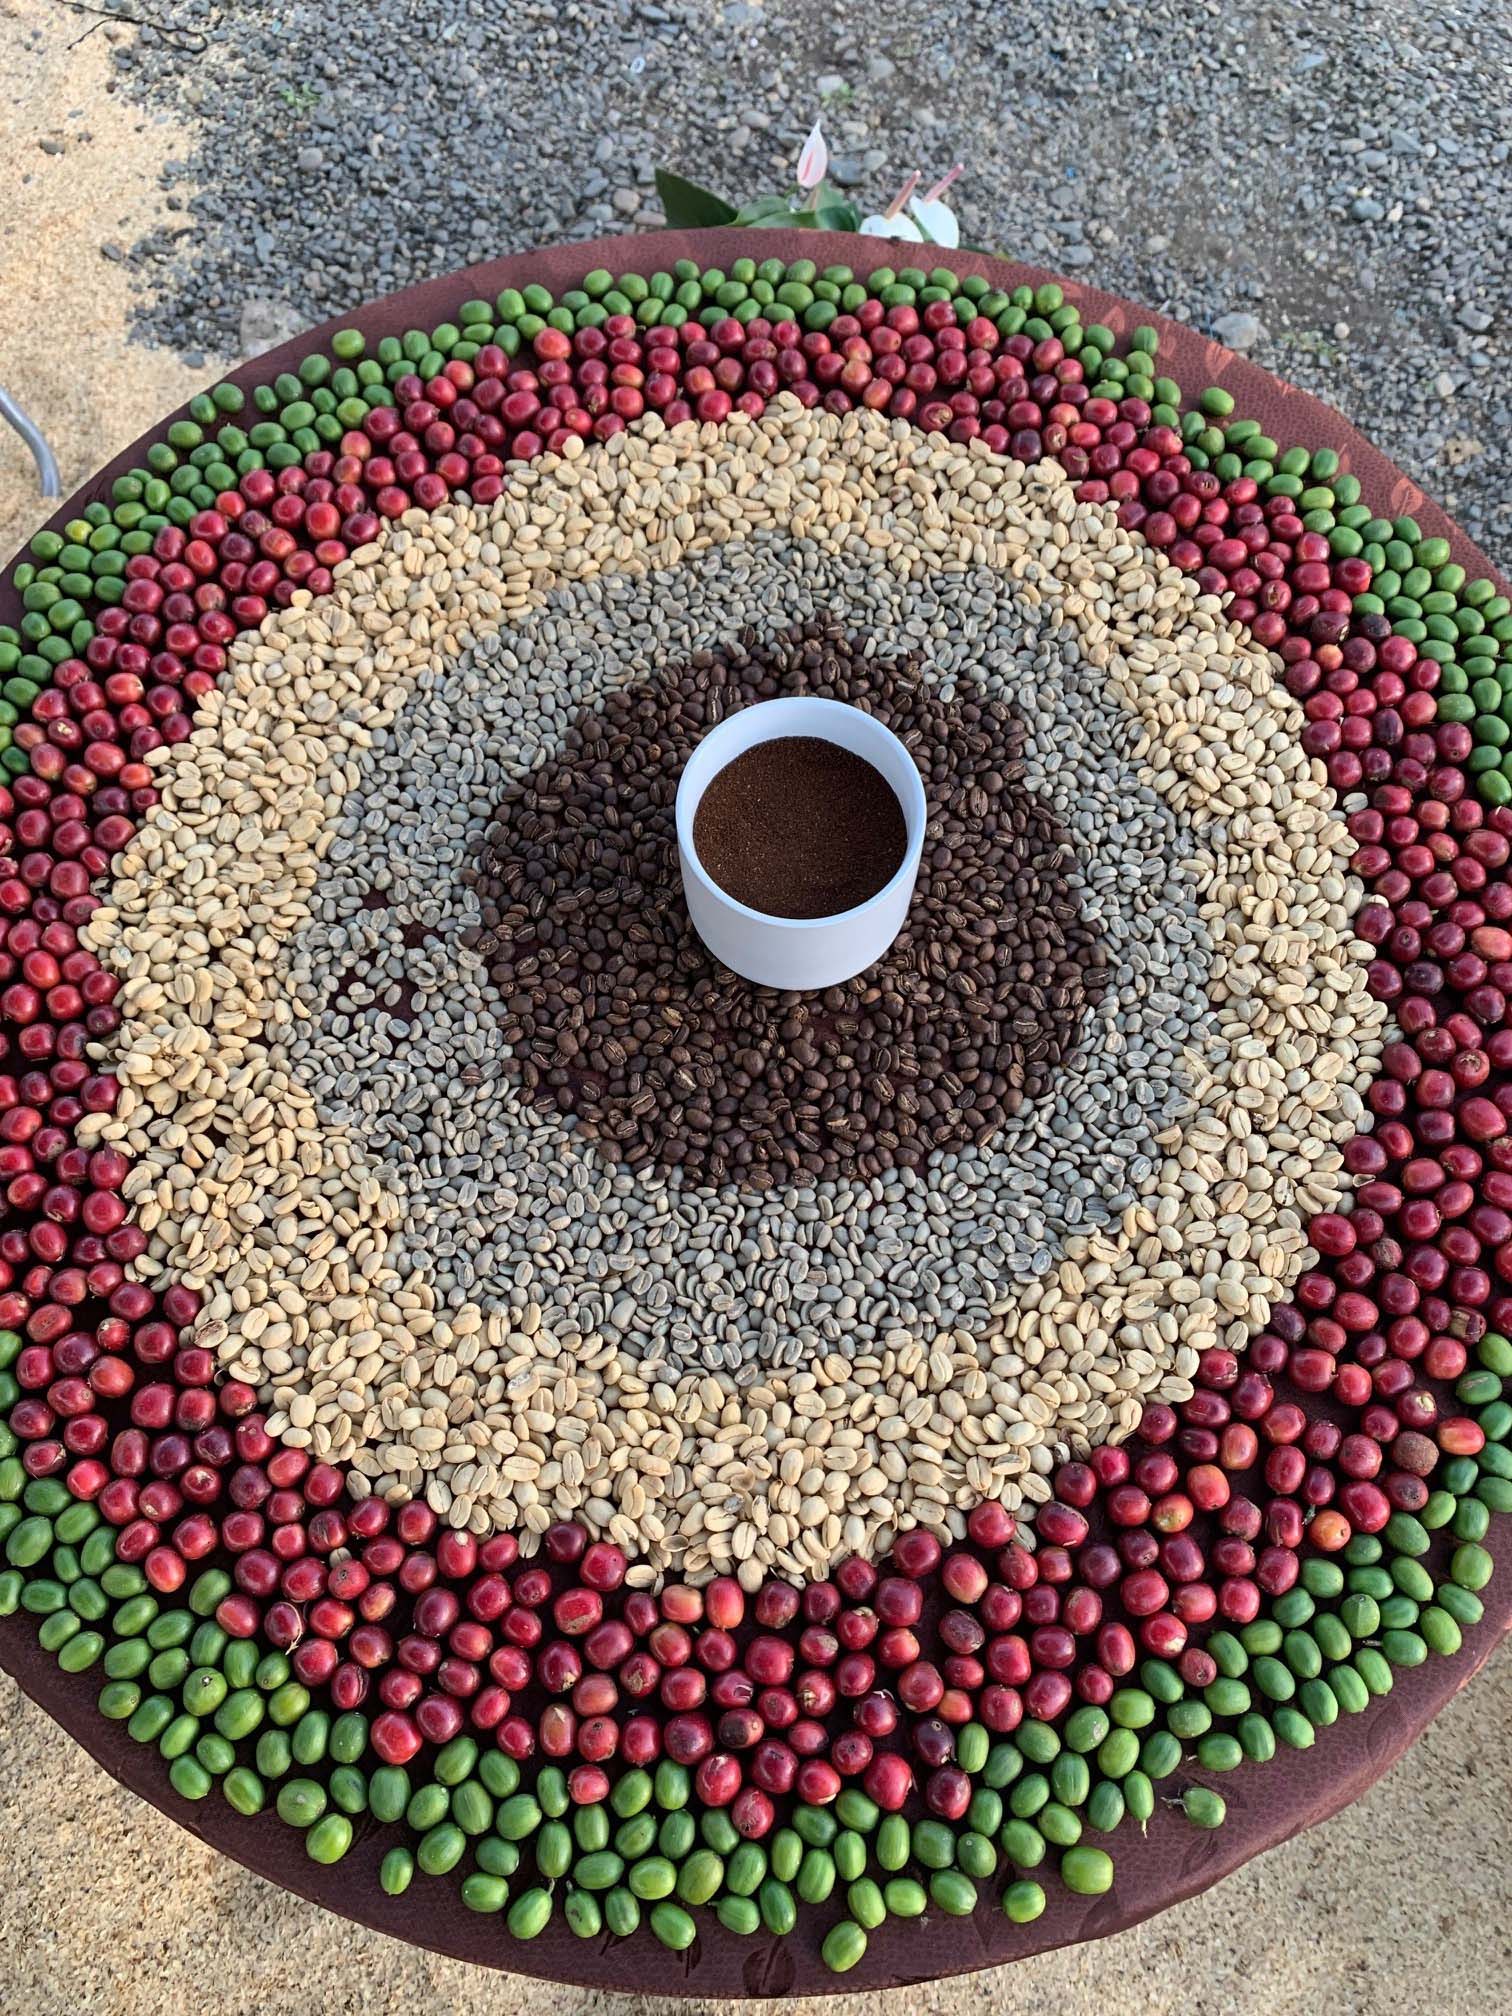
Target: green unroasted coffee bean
(740, 1915)
(893, 1844)
(1027, 1797)
(1003, 1765)
(953, 1892)
(1203, 1807)
(439, 1851)
(1229, 1698)
(1189, 1719)
(1106, 1807)
(501, 1774)
(905, 1897)
(1038, 1741)
(985, 1813)
(428, 1808)
(388, 1793)
(329, 1839)
(973, 1745)
(1060, 1825)
(244, 1790)
(653, 1877)
(151, 1719)
(215, 1753)
(779, 1912)
(934, 1844)
(518, 1817)
(1219, 1751)
(816, 1875)
(1085, 1729)
(816, 1825)
(1463, 1605)
(584, 1914)
(701, 1875)
(189, 1778)
(844, 1945)
(495, 1857)
(482, 1892)
(746, 1868)
(1404, 1648)
(471, 1807)
(1139, 1795)
(300, 1802)
(310, 1737)
(1159, 1754)
(630, 1794)
(787, 1853)
(1293, 1728)
(1071, 1778)
(855, 1810)
(551, 1790)
(602, 1869)
(1023, 1902)
(1470, 1566)
(528, 1914)
(1023, 1844)
(622, 1912)
(636, 1836)
(455, 1760)
(396, 1872)
(1118, 1752)
(1087, 1871)
(673, 1926)
(553, 1850)
(865, 1903)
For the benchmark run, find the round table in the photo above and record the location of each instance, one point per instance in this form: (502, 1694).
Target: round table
(1266, 1804)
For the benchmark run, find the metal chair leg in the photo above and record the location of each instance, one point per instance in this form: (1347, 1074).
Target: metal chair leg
(32, 435)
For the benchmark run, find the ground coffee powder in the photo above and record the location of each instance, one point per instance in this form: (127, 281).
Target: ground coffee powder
(799, 827)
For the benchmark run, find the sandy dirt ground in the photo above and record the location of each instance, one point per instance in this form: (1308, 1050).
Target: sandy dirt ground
(81, 174)
(1394, 1908)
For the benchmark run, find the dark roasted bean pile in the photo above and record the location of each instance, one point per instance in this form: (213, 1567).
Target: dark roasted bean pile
(614, 1011)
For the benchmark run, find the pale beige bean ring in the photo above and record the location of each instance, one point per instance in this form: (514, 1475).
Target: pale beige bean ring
(438, 1280)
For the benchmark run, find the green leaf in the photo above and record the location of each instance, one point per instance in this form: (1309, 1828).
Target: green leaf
(834, 212)
(765, 212)
(687, 206)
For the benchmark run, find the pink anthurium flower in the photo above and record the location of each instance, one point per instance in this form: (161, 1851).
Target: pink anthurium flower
(936, 217)
(813, 162)
(893, 222)
(878, 226)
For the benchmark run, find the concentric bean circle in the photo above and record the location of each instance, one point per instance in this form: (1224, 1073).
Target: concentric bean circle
(871, 1356)
(354, 1201)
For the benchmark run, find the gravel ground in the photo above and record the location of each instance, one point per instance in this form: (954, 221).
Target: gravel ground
(1330, 190)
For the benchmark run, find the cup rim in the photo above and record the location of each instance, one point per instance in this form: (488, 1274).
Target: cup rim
(825, 708)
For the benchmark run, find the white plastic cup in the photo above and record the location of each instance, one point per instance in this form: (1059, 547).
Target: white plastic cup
(799, 954)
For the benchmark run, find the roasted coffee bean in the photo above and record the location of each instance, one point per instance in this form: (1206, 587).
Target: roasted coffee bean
(993, 969)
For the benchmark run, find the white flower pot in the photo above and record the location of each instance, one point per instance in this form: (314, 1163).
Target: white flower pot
(799, 954)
